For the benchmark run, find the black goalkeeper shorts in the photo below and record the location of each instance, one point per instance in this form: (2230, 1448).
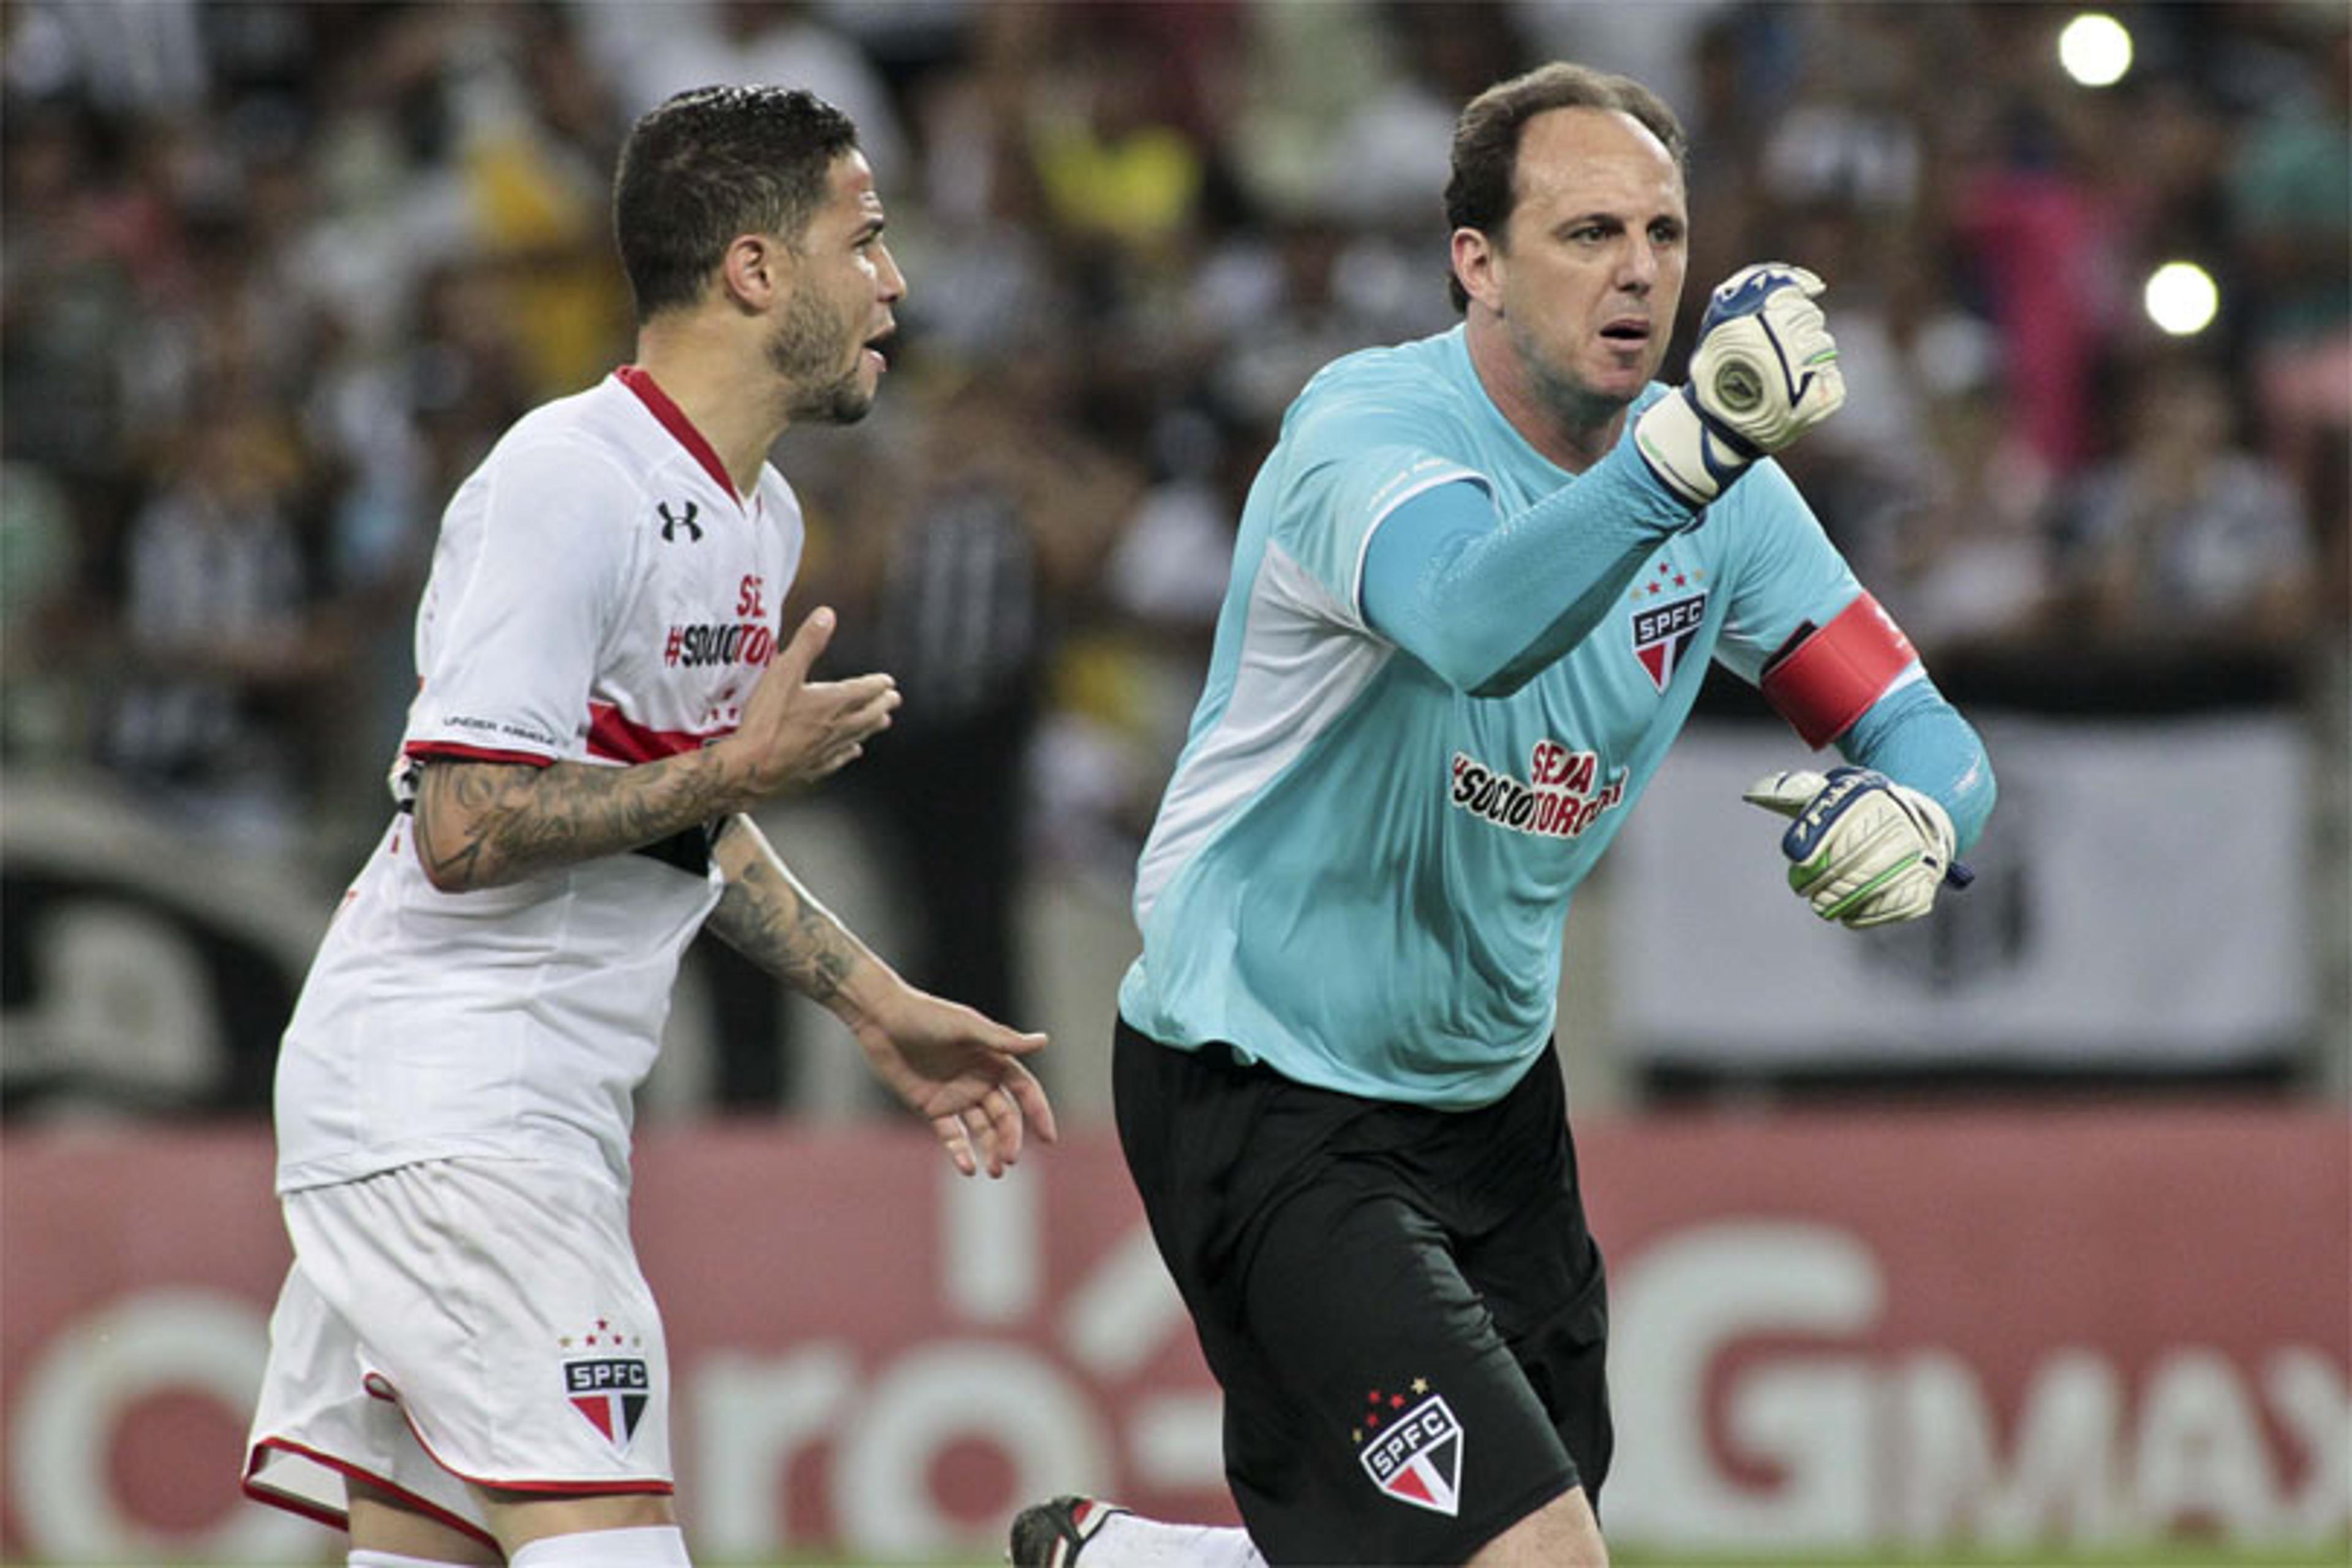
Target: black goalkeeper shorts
(1404, 1306)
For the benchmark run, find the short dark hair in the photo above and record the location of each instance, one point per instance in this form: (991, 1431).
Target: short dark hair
(1484, 184)
(713, 162)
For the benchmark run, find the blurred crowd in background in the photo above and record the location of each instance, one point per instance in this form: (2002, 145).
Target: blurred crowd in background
(273, 278)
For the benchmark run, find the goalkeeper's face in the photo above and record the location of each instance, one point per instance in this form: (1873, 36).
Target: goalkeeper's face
(1590, 265)
(827, 344)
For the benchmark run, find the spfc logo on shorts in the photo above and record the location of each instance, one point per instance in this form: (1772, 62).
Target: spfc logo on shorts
(611, 1393)
(1416, 1458)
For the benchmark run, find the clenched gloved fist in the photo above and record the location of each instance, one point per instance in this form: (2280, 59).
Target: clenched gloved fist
(1864, 850)
(1764, 372)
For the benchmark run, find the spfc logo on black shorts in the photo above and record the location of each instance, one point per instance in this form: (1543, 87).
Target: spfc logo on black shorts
(612, 1393)
(1417, 1457)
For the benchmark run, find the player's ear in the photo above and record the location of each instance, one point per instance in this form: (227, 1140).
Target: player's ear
(756, 271)
(1478, 266)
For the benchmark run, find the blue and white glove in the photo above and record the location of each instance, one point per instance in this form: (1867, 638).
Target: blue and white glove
(1764, 372)
(1864, 850)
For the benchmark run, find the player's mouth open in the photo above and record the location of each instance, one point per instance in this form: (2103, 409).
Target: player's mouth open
(1630, 333)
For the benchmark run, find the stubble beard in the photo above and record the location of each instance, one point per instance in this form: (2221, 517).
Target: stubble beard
(1577, 403)
(808, 344)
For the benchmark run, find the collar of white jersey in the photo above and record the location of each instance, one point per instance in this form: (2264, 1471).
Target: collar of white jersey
(639, 380)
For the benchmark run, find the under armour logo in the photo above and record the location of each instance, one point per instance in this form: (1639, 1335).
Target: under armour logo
(670, 525)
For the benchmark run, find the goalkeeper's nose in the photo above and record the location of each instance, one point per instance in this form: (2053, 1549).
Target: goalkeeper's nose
(1640, 265)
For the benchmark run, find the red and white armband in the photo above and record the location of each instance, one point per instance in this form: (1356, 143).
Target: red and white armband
(1824, 678)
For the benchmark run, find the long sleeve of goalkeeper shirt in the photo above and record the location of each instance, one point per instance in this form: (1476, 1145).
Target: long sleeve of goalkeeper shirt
(1486, 601)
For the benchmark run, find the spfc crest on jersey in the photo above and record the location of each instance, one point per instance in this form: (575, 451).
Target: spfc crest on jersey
(1667, 609)
(1413, 1452)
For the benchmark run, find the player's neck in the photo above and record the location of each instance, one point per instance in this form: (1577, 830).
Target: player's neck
(732, 403)
(1574, 442)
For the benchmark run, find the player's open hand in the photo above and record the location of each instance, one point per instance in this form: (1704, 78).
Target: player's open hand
(962, 1071)
(796, 731)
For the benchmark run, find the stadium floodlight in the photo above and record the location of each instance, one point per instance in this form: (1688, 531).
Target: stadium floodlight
(2095, 50)
(2181, 298)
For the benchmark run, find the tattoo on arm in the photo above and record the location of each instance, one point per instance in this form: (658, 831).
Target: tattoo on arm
(484, 824)
(768, 918)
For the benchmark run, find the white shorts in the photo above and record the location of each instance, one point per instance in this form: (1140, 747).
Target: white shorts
(455, 1322)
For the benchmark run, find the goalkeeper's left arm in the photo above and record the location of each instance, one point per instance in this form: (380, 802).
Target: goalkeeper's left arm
(1873, 842)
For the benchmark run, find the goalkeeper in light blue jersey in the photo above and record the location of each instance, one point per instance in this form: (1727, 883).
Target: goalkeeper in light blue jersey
(1477, 586)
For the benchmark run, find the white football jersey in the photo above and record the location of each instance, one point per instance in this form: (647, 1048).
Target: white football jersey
(599, 594)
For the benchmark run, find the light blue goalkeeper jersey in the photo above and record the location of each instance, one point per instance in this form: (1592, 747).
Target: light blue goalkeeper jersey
(1360, 875)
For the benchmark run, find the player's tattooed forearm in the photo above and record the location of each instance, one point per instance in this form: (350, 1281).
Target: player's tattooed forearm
(465, 814)
(764, 916)
(483, 825)
(815, 961)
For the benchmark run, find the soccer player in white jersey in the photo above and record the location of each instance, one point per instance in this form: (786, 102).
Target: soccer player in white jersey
(1476, 586)
(466, 1365)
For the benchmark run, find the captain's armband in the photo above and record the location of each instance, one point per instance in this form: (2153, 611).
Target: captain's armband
(1823, 677)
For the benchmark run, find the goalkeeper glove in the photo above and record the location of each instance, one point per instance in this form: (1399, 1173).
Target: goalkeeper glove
(1764, 372)
(1864, 850)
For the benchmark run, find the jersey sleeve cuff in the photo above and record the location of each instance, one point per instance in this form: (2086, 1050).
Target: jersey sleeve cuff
(460, 751)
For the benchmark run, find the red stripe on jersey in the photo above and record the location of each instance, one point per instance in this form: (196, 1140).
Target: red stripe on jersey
(615, 737)
(674, 420)
(1824, 683)
(452, 750)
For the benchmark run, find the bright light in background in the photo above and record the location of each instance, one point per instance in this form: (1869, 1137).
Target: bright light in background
(2181, 298)
(2095, 50)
